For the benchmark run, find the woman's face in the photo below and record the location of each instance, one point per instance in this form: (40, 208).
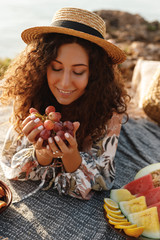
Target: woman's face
(68, 74)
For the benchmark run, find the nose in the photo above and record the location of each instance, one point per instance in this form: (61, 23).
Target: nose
(65, 79)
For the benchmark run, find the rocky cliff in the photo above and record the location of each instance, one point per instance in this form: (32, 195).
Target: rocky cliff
(135, 35)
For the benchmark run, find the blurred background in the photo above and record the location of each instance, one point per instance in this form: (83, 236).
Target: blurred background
(134, 26)
(17, 15)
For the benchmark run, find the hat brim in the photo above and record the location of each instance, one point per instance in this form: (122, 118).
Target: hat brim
(116, 54)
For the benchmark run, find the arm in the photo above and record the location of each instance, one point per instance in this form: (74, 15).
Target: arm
(95, 168)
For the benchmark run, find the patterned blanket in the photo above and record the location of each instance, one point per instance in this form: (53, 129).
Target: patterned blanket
(46, 215)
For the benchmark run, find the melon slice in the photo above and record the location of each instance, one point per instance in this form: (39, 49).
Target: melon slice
(152, 196)
(149, 219)
(132, 206)
(148, 169)
(140, 185)
(119, 195)
(158, 208)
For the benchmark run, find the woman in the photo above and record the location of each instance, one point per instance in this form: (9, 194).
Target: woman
(71, 66)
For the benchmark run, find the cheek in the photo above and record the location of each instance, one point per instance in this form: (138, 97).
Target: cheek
(50, 78)
(82, 83)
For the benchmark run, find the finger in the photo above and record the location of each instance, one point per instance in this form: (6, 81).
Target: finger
(71, 140)
(62, 146)
(54, 153)
(76, 126)
(39, 144)
(32, 124)
(52, 145)
(28, 119)
(34, 134)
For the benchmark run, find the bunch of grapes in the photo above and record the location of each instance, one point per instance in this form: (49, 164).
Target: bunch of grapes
(52, 124)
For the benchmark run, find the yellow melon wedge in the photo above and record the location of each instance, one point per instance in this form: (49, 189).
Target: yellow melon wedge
(149, 219)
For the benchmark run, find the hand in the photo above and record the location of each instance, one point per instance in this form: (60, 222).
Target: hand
(70, 155)
(31, 127)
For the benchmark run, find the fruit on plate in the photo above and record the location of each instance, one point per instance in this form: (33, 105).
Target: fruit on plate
(119, 195)
(140, 185)
(114, 211)
(148, 169)
(119, 226)
(134, 232)
(149, 219)
(152, 196)
(111, 204)
(158, 208)
(125, 223)
(2, 193)
(2, 203)
(119, 221)
(132, 206)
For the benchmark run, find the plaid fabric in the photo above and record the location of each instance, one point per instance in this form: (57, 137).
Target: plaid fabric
(48, 215)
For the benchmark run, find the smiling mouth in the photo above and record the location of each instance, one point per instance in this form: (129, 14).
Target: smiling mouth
(65, 91)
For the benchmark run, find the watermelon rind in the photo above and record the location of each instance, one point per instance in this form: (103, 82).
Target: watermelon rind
(132, 206)
(149, 219)
(146, 170)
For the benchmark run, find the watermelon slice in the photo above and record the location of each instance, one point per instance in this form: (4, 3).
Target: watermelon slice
(140, 185)
(152, 195)
(158, 208)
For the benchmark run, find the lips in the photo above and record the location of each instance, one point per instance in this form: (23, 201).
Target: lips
(65, 91)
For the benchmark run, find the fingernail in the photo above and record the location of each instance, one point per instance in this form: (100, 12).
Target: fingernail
(56, 138)
(36, 120)
(48, 147)
(39, 139)
(32, 116)
(50, 140)
(66, 135)
(40, 127)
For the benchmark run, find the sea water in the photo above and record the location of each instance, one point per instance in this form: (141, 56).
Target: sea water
(17, 15)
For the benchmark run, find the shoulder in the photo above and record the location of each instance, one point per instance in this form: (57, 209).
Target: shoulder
(114, 124)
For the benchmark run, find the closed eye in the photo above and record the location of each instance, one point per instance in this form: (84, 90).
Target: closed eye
(56, 69)
(79, 73)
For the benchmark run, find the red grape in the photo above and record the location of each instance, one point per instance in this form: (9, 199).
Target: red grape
(45, 134)
(48, 124)
(52, 125)
(50, 109)
(68, 125)
(54, 116)
(70, 132)
(57, 126)
(33, 110)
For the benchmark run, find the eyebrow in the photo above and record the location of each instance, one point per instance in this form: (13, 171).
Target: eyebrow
(75, 65)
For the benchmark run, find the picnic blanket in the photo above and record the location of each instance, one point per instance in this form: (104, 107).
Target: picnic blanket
(47, 215)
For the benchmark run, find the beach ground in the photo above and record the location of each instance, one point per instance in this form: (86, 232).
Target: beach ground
(5, 113)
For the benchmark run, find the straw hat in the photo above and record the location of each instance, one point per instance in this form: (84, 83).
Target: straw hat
(80, 23)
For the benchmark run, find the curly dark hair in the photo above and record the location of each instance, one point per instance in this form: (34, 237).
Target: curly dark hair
(26, 84)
